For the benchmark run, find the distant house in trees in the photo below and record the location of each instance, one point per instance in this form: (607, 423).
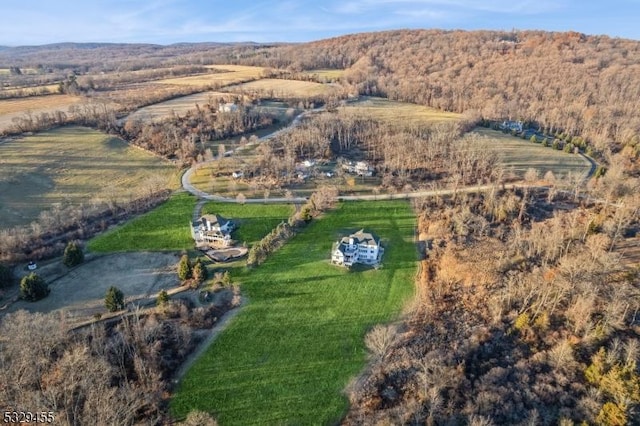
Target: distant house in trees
(360, 168)
(514, 126)
(212, 229)
(228, 107)
(360, 247)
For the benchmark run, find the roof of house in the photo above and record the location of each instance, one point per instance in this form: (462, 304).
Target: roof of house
(214, 219)
(361, 237)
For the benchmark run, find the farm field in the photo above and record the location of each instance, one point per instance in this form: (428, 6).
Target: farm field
(178, 105)
(10, 108)
(279, 88)
(30, 91)
(522, 154)
(69, 165)
(292, 350)
(401, 113)
(235, 74)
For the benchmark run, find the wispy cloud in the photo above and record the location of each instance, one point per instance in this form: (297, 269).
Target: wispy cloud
(168, 21)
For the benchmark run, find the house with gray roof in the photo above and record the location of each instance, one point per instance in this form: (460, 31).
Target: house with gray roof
(361, 247)
(212, 229)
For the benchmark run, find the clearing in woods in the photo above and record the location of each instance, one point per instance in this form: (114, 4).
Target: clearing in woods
(71, 165)
(326, 74)
(282, 89)
(232, 74)
(178, 106)
(287, 357)
(399, 113)
(522, 155)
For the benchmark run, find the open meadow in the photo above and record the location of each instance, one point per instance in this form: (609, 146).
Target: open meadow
(400, 113)
(289, 354)
(71, 165)
(10, 108)
(283, 89)
(522, 155)
(232, 74)
(29, 91)
(326, 74)
(178, 106)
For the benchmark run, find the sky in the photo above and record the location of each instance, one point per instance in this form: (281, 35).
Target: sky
(31, 22)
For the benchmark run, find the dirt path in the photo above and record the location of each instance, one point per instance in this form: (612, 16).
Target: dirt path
(204, 345)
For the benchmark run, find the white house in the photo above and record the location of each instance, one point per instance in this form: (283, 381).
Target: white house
(361, 247)
(213, 229)
(228, 107)
(363, 169)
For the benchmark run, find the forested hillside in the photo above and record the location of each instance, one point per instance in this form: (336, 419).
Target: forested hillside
(565, 82)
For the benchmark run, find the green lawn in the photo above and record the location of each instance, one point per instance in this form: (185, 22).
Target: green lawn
(254, 220)
(164, 228)
(291, 351)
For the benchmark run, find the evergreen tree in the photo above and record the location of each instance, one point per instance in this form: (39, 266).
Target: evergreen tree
(200, 273)
(185, 270)
(73, 255)
(114, 299)
(163, 298)
(33, 287)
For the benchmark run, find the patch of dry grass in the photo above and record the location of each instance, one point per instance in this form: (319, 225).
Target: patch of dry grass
(10, 108)
(234, 74)
(280, 88)
(178, 105)
(398, 112)
(60, 102)
(326, 74)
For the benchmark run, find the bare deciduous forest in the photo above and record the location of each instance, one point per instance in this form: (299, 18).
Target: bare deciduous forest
(565, 82)
(519, 319)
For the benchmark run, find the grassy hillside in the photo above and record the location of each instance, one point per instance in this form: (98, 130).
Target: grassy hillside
(292, 350)
(70, 165)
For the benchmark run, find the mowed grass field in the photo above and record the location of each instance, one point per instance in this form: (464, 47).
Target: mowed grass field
(281, 88)
(233, 74)
(167, 226)
(401, 113)
(289, 354)
(164, 228)
(10, 108)
(254, 221)
(521, 155)
(70, 165)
